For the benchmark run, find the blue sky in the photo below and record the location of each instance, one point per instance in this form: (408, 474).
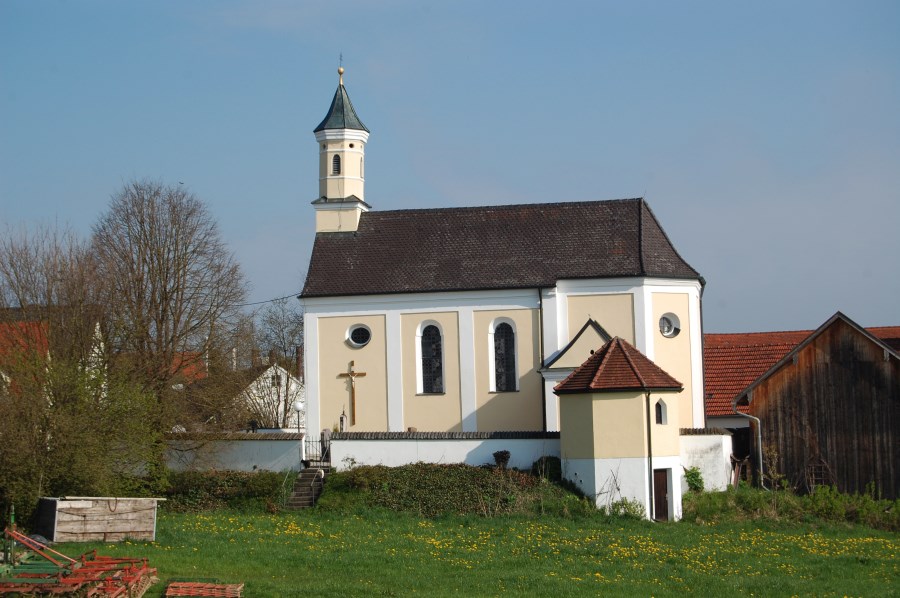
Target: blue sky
(765, 136)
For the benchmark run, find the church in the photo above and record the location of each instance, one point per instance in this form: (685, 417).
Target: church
(500, 319)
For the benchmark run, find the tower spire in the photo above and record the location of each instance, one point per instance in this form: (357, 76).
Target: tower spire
(342, 139)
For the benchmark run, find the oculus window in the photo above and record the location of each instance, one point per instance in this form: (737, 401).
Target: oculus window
(669, 325)
(359, 335)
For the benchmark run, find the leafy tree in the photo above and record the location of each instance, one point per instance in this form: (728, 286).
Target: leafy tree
(68, 425)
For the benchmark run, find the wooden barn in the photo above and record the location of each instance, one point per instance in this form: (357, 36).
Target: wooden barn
(831, 409)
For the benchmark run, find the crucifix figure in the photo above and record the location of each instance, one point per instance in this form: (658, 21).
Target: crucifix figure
(352, 376)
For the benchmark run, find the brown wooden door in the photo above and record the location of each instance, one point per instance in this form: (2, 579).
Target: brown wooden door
(660, 495)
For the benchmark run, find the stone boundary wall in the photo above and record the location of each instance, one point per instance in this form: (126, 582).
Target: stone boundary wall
(393, 449)
(238, 451)
(710, 452)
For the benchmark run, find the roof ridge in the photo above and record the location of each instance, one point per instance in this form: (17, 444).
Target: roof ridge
(502, 206)
(632, 365)
(602, 354)
(640, 224)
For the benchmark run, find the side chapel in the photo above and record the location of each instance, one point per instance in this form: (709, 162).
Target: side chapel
(467, 319)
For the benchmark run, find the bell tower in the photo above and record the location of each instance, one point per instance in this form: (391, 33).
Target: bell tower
(342, 139)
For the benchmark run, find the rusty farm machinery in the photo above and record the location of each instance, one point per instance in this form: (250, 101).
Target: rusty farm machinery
(38, 570)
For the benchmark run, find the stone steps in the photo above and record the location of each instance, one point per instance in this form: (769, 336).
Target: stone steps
(307, 488)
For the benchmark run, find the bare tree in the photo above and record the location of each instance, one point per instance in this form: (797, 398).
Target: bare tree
(173, 287)
(48, 275)
(280, 335)
(280, 328)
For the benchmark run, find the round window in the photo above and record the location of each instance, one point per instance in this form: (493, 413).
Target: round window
(359, 335)
(669, 325)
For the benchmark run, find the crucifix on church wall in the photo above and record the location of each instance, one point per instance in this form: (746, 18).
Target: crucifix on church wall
(352, 376)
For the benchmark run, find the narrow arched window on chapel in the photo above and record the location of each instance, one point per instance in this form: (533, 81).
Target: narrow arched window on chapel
(336, 165)
(504, 357)
(432, 361)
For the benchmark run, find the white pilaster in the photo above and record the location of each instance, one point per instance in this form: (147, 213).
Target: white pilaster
(643, 314)
(393, 346)
(311, 371)
(699, 414)
(467, 394)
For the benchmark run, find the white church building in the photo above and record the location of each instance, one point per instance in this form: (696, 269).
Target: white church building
(444, 334)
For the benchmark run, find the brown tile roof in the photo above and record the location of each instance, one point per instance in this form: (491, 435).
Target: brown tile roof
(614, 367)
(889, 335)
(21, 338)
(734, 361)
(492, 247)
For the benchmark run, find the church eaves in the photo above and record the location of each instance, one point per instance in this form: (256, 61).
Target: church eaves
(493, 247)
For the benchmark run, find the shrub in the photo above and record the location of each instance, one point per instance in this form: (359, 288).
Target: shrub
(694, 479)
(626, 507)
(204, 490)
(825, 504)
(548, 468)
(501, 458)
(433, 490)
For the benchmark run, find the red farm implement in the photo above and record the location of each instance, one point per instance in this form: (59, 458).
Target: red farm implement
(42, 571)
(196, 588)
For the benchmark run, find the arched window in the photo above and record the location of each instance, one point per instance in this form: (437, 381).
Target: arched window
(504, 358)
(361, 174)
(661, 417)
(336, 164)
(432, 360)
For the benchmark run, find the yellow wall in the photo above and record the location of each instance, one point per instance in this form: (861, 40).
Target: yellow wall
(614, 425)
(666, 441)
(337, 219)
(347, 183)
(674, 354)
(335, 356)
(620, 428)
(615, 312)
(431, 413)
(576, 422)
(580, 352)
(521, 410)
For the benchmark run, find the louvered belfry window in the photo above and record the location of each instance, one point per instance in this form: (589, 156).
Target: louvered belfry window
(336, 165)
(504, 357)
(432, 361)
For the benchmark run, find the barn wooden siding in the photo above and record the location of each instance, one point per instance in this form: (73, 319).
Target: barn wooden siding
(86, 519)
(834, 411)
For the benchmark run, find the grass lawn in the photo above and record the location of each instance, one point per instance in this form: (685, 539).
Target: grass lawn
(386, 553)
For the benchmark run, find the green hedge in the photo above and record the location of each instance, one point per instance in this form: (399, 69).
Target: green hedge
(825, 504)
(204, 490)
(433, 490)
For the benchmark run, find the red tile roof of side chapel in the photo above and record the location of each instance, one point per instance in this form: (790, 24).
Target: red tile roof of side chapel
(617, 366)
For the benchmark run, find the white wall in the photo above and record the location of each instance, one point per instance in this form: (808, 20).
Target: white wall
(262, 454)
(607, 481)
(395, 452)
(711, 454)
